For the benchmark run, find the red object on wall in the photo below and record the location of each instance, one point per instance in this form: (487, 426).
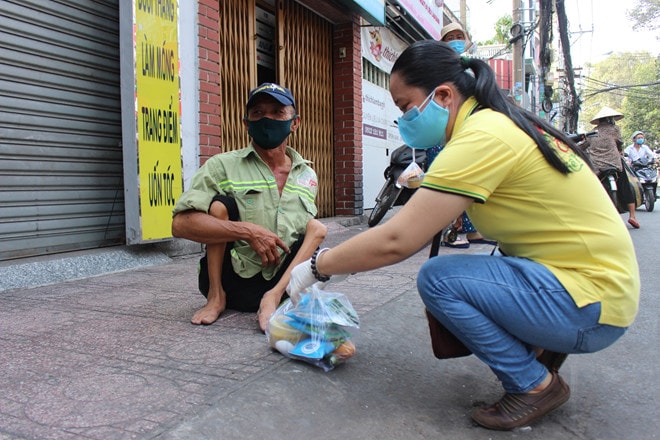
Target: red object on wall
(503, 72)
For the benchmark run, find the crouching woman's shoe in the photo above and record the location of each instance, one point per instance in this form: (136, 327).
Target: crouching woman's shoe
(516, 410)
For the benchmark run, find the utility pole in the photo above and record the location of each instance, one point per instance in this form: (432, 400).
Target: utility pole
(517, 37)
(545, 54)
(571, 107)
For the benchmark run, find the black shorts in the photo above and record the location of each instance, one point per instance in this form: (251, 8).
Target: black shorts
(243, 294)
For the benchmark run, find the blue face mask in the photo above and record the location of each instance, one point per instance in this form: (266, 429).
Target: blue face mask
(425, 129)
(639, 141)
(457, 45)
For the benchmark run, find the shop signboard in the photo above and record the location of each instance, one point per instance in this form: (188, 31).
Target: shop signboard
(381, 47)
(371, 10)
(427, 13)
(380, 136)
(152, 140)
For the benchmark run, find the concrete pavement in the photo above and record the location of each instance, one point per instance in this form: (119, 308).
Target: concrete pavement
(114, 356)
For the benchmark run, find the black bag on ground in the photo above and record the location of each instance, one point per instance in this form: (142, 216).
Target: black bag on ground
(445, 344)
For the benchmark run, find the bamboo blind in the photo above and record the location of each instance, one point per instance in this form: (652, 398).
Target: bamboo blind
(306, 61)
(237, 69)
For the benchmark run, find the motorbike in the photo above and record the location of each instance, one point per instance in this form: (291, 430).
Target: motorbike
(608, 176)
(581, 139)
(647, 174)
(393, 194)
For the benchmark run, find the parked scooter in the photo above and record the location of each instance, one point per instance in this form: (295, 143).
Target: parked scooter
(647, 174)
(393, 194)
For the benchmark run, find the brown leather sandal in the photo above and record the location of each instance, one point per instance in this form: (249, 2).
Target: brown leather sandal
(516, 410)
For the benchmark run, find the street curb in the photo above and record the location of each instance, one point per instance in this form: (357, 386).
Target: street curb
(57, 268)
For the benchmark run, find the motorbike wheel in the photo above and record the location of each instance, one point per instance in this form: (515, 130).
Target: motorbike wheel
(383, 205)
(614, 196)
(649, 199)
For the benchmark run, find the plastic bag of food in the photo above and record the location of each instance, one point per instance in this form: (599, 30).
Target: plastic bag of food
(318, 330)
(411, 177)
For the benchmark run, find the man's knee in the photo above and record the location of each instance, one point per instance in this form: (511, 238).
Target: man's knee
(316, 230)
(224, 207)
(219, 210)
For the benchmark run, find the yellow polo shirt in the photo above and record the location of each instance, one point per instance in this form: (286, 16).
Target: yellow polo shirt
(565, 222)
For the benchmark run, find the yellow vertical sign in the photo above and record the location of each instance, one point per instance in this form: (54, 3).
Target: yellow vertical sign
(158, 108)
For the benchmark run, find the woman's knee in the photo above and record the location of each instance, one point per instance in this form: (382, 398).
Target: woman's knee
(429, 279)
(451, 277)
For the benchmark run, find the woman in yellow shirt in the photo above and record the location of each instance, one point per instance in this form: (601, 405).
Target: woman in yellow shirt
(567, 279)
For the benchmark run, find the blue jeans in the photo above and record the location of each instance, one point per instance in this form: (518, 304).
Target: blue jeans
(502, 307)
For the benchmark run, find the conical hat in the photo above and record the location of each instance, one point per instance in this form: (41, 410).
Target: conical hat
(607, 112)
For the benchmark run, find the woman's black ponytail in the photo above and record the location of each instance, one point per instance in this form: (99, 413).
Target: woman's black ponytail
(428, 63)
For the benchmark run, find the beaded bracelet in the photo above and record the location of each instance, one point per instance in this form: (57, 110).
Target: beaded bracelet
(315, 271)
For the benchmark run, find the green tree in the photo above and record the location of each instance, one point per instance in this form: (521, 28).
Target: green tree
(630, 83)
(645, 14)
(641, 103)
(502, 28)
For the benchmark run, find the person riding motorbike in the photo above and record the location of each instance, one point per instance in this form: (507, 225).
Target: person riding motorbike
(605, 152)
(643, 162)
(638, 149)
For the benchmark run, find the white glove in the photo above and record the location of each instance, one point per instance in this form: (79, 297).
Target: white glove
(301, 279)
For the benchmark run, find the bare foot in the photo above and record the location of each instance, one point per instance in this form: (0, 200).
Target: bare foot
(210, 312)
(266, 309)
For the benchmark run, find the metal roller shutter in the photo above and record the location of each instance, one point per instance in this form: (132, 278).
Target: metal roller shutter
(61, 184)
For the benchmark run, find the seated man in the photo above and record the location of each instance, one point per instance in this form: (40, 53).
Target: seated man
(254, 209)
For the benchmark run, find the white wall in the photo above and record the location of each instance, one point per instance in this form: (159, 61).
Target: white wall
(379, 138)
(189, 89)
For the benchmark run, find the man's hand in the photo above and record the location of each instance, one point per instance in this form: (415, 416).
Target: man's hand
(265, 243)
